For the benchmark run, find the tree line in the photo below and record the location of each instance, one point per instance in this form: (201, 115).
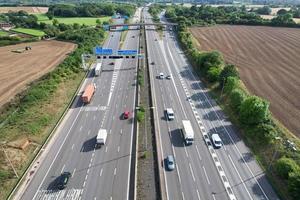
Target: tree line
(250, 112)
(90, 10)
(208, 15)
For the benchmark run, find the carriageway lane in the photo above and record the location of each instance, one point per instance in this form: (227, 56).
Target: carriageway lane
(246, 177)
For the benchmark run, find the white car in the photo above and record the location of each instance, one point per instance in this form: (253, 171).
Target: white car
(217, 142)
(170, 113)
(161, 75)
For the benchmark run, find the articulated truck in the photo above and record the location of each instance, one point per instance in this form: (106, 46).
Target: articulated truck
(101, 137)
(187, 132)
(88, 93)
(98, 69)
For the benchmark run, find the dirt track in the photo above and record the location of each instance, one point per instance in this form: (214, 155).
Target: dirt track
(19, 69)
(268, 60)
(27, 9)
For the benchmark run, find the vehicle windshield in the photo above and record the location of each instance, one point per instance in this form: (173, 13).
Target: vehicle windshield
(218, 142)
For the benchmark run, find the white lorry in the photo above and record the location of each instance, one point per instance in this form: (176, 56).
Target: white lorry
(98, 69)
(101, 137)
(188, 132)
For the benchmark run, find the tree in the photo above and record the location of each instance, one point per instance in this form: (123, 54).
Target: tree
(228, 70)
(282, 12)
(284, 166)
(254, 110)
(266, 10)
(98, 21)
(262, 133)
(286, 19)
(213, 73)
(231, 84)
(55, 22)
(237, 97)
(294, 184)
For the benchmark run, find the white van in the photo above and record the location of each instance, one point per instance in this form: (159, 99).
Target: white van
(170, 113)
(217, 142)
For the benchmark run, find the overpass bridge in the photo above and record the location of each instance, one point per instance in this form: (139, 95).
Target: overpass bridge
(115, 26)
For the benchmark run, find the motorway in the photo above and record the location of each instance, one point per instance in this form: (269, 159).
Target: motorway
(96, 173)
(202, 172)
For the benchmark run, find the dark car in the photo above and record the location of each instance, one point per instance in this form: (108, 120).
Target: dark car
(152, 63)
(112, 63)
(63, 180)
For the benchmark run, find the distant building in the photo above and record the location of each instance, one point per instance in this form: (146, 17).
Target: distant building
(5, 26)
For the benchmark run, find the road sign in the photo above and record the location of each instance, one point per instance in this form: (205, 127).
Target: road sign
(127, 52)
(102, 51)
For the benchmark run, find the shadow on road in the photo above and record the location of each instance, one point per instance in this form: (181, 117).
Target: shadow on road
(176, 138)
(77, 102)
(89, 145)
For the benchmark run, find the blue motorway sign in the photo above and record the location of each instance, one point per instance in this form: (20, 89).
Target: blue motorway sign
(127, 52)
(102, 51)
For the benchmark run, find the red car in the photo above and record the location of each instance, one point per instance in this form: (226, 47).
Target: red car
(126, 114)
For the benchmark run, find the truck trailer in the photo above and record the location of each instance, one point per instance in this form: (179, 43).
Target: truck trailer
(88, 93)
(187, 132)
(101, 137)
(98, 69)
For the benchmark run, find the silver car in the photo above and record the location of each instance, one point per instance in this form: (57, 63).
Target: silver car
(170, 162)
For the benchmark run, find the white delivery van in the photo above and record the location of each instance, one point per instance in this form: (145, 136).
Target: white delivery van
(98, 69)
(101, 137)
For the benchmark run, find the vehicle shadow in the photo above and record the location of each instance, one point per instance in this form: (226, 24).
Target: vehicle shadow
(77, 102)
(88, 145)
(52, 187)
(176, 138)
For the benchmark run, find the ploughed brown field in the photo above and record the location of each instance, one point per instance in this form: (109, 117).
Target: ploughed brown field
(19, 69)
(27, 9)
(268, 59)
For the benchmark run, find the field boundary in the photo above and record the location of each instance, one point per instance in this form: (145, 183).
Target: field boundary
(49, 137)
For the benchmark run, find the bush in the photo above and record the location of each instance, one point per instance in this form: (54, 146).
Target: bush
(213, 73)
(294, 184)
(229, 70)
(231, 84)
(254, 110)
(237, 97)
(284, 166)
(140, 116)
(262, 133)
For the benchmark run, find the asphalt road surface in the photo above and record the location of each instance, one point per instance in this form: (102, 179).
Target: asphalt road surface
(96, 173)
(202, 172)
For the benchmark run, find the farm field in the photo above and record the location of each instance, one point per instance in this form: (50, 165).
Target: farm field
(19, 69)
(268, 62)
(29, 31)
(3, 33)
(27, 9)
(89, 21)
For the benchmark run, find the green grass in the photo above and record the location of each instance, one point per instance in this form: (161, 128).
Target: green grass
(3, 33)
(29, 31)
(89, 21)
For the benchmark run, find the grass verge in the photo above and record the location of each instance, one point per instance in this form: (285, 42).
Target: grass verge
(122, 38)
(29, 31)
(89, 21)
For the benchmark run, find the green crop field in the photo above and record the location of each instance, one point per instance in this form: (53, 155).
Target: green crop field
(29, 31)
(89, 21)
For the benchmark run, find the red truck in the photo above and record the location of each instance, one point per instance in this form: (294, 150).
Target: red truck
(88, 93)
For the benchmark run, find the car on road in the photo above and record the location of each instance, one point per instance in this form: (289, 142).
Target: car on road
(170, 162)
(152, 63)
(126, 114)
(155, 39)
(112, 63)
(63, 180)
(169, 77)
(170, 113)
(133, 36)
(161, 75)
(216, 140)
